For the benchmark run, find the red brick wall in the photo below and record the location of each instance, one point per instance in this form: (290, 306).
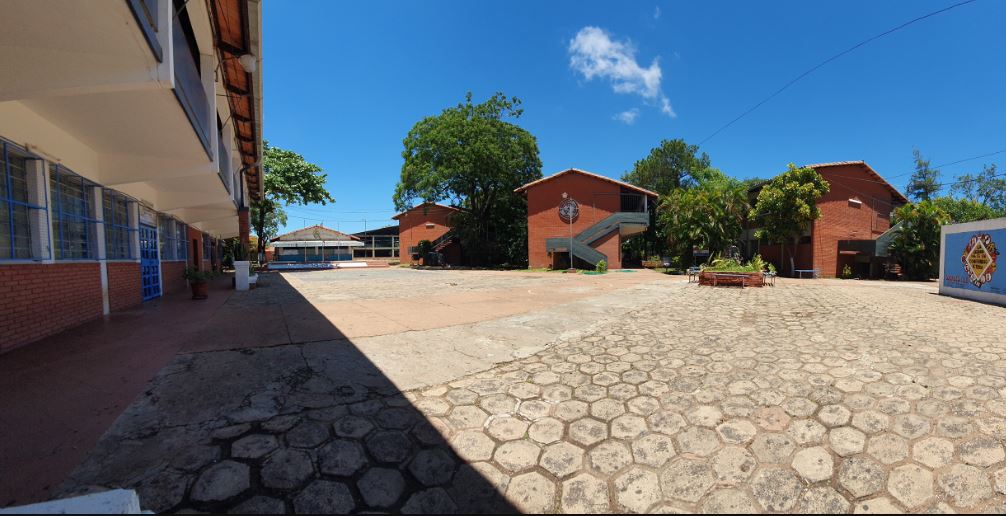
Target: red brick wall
(125, 288)
(171, 277)
(38, 300)
(412, 229)
(844, 220)
(597, 199)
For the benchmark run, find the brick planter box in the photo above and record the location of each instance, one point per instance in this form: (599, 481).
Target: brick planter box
(754, 279)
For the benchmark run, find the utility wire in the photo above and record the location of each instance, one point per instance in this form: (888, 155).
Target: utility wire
(830, 59)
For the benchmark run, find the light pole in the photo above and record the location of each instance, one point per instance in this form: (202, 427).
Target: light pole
(568, 203)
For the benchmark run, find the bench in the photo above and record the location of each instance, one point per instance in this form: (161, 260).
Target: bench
(693, 272)
(768, 278)
(742, 277)
(814, 273)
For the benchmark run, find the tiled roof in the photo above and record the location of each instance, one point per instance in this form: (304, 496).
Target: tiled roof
(590, 174)
(452, 208)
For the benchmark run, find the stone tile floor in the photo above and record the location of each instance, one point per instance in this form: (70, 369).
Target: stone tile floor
(808, 397)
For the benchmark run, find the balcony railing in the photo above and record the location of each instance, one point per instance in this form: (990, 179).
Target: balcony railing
(189, 86)
(145, 12)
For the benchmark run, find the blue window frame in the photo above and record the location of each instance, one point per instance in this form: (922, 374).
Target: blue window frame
(20, 207)
(73, 220)
(118, 231)
(173, 236)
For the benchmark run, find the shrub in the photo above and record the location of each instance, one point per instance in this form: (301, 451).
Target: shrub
(602, 266)
(846, 272)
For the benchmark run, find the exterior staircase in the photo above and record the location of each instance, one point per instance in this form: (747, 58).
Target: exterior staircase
(582, 242)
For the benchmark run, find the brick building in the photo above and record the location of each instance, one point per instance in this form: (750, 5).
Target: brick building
(596, 213)
(119, 169)
(428, 221)
(854, 227)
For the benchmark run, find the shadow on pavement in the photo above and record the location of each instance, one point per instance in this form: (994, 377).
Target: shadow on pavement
(268, 408)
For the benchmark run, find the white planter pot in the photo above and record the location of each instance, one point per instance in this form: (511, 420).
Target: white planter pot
(242, 270)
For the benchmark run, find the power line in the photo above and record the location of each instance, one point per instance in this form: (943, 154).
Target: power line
(830, 59)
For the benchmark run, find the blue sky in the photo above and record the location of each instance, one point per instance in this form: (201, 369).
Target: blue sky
(345, 81)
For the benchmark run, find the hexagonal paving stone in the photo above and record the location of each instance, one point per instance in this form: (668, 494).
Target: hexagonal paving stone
(934, 452)
(806, 431)
(982, 451)
(871, 421)
(531, 493)
(472, 445)
(772, 419)
(813, 464)
(910, 426)
(687, 480)
(256, 505)
(653, 450)
(589, 393)
(637, 489)
(389, 446)
(728, 501)
(773, 448)
(352, 426)
(432, 467)
(697, 441)
(254, 446)
(584, 494)
(562, 459)
(666, 422)
(610, 456)
(887, 448)
(823, 500)
(737, 431)
(507, 428)
(459, 397)
(966, 485)
(280, 424)
(733, 465)
(861, 476)
(516, 456)
(533, 409)
(341, 457)
(323, 497)
(643, 405)
(307, 434)
(287, 469)
(479, 488)
(628, 426)
(381, 487)
(430, 501)
(704, 415)
(879, 505)
(524, 390)
(466, 417)
(546, 430)
(587, 431)
(607, 409)
(846, 441)
(396, 418)
(776, 489)
(571, 410)
(499, 404)
(221, 482)
(834, 415)
(911, 485)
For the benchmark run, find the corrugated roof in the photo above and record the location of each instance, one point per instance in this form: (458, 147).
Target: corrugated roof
(342, 236)
(590, 174)
(452, 208)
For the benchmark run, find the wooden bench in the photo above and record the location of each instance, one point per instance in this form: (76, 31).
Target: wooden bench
(814, 273)
(742, 277)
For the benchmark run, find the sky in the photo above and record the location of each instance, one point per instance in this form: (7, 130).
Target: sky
(604, 82)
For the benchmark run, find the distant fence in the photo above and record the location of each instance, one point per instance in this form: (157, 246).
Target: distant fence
(971, 265)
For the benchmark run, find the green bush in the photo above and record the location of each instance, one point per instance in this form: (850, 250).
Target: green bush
(846, 272)
(602, 266)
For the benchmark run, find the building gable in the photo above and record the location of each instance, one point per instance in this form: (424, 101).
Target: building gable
(314, 233)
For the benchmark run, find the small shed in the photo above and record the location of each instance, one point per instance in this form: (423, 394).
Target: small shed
(314, 244)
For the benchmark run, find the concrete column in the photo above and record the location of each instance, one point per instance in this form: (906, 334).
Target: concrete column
(99, 235)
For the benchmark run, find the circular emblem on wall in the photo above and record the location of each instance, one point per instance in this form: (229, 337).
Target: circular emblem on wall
(317, 234)
(568, 209)
(979, 259)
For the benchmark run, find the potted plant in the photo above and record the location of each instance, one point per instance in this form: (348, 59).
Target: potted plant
(199, 281)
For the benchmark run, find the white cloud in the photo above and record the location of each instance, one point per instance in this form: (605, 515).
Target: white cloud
(656, 13)
(593, 53)
(627, 117)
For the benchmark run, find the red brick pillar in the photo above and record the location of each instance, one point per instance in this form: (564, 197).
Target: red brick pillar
(244, 227)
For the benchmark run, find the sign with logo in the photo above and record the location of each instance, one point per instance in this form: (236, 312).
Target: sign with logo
(569, 210)
(971, 260)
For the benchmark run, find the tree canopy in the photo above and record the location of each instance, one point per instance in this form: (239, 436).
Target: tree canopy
(289, 179)
(787, 205)
(473, 157)
(709, 215)
(986, 188)
(671, 165)
(917, 245)
(924, 183)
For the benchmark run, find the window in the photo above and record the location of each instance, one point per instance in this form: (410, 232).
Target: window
(207, 247)
(118, 231)
(22, 207)
(73, 221)
(172, 236)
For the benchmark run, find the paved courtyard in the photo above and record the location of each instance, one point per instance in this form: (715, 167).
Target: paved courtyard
(642, 394)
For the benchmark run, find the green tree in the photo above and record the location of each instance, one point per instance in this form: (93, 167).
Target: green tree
(917, 245)
(925, 182)
(787, 206)
(673, 164)
(289, 179)
(966, 210)
(985, 187)
(473, 157)
(709, 215)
